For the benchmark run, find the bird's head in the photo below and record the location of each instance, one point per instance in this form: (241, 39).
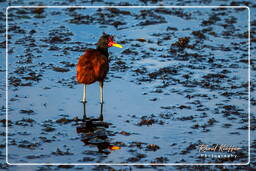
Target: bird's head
(107, 41)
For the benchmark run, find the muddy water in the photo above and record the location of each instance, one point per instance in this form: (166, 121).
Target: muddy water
(180, 81)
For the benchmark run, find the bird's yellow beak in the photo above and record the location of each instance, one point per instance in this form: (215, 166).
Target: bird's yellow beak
(117, 45)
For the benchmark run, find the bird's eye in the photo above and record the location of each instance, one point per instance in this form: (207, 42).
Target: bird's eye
(110, 39)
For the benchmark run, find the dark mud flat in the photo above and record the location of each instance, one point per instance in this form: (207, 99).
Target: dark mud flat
(181, 81)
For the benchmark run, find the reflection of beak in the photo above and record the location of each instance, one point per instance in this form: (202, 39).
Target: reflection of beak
(117, 45)
(114, 147)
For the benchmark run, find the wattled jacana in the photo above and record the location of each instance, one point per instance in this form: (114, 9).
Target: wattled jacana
(93, 65)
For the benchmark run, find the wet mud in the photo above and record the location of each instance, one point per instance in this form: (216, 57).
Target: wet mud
(180, 81)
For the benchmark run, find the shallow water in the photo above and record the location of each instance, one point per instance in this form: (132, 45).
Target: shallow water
(162, 98)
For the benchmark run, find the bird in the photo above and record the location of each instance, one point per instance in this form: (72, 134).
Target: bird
(93, 65)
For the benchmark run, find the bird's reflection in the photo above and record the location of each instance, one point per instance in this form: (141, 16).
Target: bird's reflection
(94, 132)
(101, 112)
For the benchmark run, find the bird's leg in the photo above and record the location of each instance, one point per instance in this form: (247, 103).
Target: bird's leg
(84, 102)
(84, 95)
(101, 92)
(101, 112)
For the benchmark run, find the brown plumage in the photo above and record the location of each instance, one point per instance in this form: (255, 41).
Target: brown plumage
(93, 65)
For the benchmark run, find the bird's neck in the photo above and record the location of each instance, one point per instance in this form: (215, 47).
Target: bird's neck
(104, 50)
